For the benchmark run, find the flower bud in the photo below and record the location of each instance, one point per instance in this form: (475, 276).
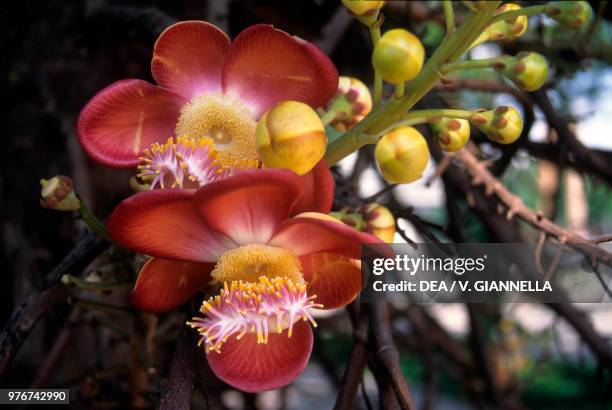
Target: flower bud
(503, 124)
(351, 103)
(402, 155)
(528, 71)
(58, 193)
(509, 29)
(379, 221)
(290, 135)
(452, 133)
(398, 56)
(364, 9)
(570, 14)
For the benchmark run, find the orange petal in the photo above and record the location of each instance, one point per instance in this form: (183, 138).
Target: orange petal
(164, 223)
(250, 206)
(314, 233)
(335, 279)
(318, 190)
(188, 58)
(265, 66)
(164, 284)
(124, 118)
(253, 367)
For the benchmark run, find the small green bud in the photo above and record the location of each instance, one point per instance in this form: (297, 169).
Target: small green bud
(379, 221)
(509, 29)
(351, 103)
(452, 133)
(527, 70)
(503, 124)
(570, 14)
(58, 193)
(398, 56)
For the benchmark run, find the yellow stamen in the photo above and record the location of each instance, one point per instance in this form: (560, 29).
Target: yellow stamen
(224, 121)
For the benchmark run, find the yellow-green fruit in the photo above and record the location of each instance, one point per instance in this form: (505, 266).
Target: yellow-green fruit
(503, 124)
(363, 8)
(570, 14)
(402, 155)
(528, 71)
(398, 56)
(452, 133)
(379, 221)
(290, 135)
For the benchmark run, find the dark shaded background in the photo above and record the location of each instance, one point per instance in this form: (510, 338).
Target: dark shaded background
(55, 55)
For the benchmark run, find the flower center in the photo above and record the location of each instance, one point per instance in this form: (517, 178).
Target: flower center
(261, 307)
(251, 262)
(224, 121)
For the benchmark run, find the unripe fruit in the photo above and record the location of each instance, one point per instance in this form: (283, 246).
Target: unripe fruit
(363, 8)
(379, 221)
(290, 135)
(509, 29)
(402, 155)
(528, 71)
(570, 14)
(398, 56)
(452, 133)
(503, 124)
(351, 103)
(58, 193)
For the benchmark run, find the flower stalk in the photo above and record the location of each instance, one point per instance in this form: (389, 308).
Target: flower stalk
(92, 222)
(470, 65)
(391, 111)
(449, 17)
(525, 11)
(375, 35)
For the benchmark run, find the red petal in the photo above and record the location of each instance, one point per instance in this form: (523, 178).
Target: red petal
(164, 284)
(335, 279)
(315, 233)
(188, 58)
(318, 191)
(265, 66)
(250, 206)
(253, 367)
(165, 224)
(124, 118)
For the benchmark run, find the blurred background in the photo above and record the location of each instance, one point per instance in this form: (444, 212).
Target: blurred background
(55, 55)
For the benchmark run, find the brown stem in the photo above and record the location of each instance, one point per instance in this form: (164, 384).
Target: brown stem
(39, 302)
(481, 175)
(177, 388)
(600, 166)
(387, 353)
(357, 360)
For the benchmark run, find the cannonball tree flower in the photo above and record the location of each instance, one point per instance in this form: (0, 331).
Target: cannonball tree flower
(210, 94)
(274, 269)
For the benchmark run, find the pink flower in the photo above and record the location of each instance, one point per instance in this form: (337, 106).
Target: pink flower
(275, 269)
(207, 89)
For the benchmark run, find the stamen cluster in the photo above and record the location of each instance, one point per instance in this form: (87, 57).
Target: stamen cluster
(269, 305)
(186, 163)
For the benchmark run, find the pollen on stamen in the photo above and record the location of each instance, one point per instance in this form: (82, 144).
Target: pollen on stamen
(184, 163)
(269, 305)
